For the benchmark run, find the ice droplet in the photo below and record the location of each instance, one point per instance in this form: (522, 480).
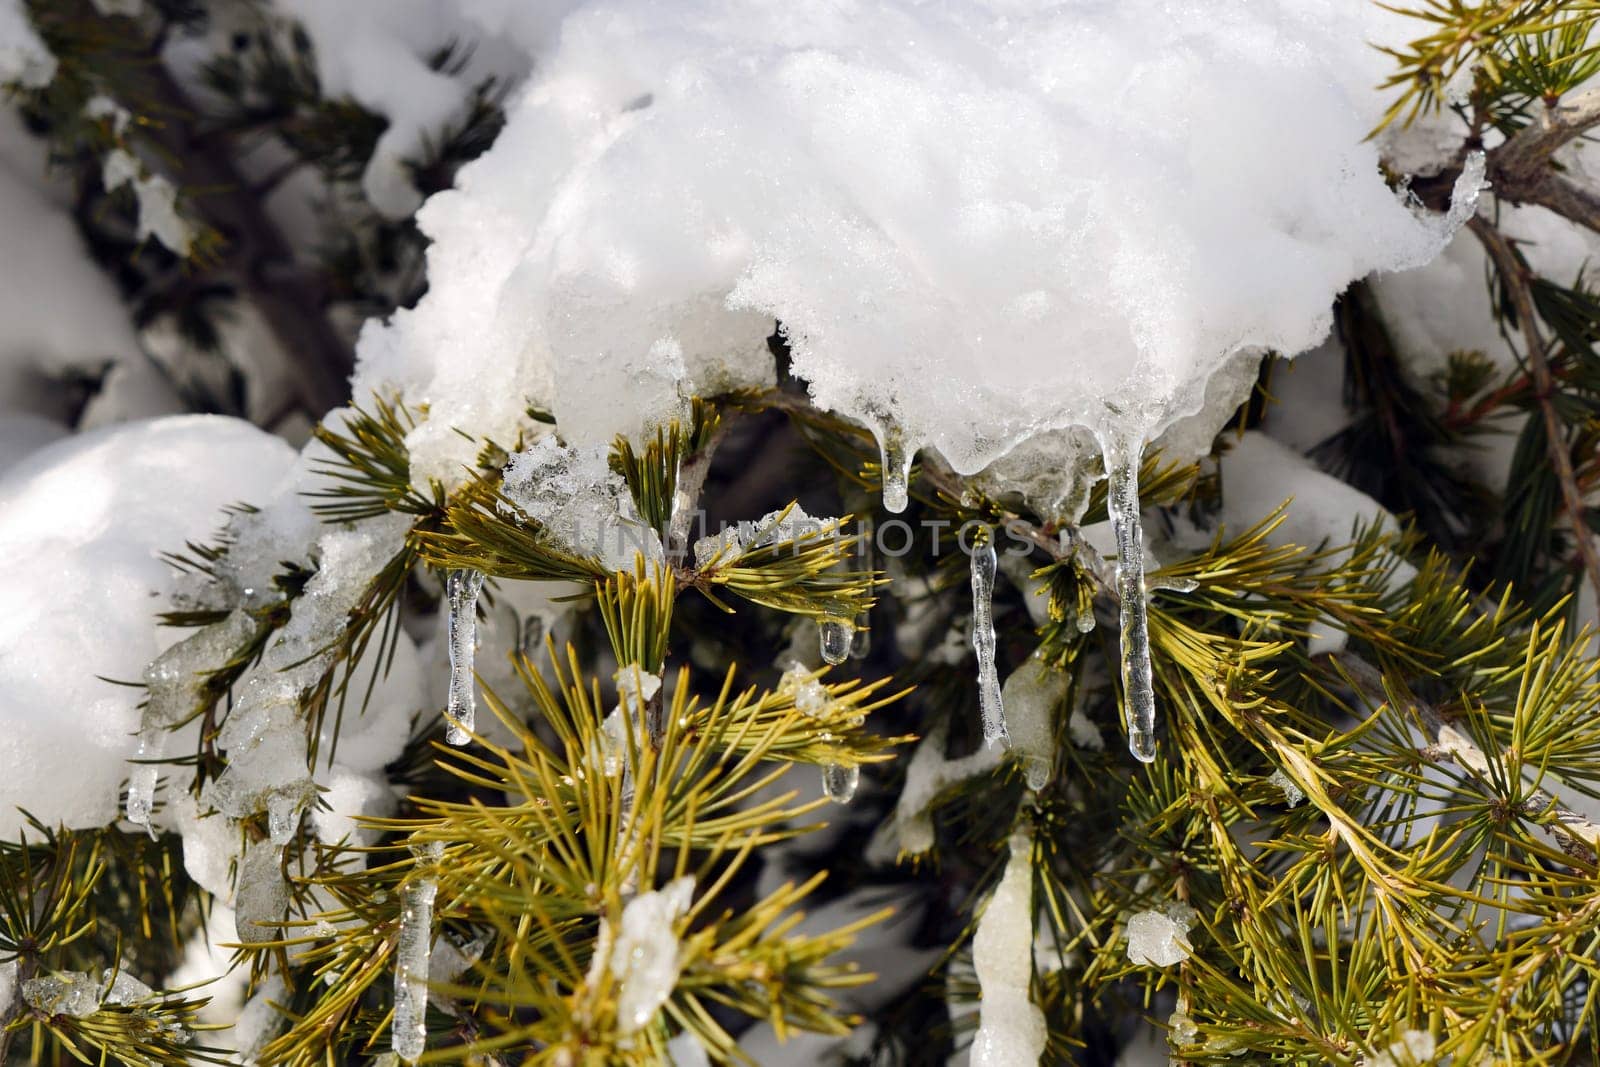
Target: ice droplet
(835, 636)
(895, 465)
(1122, 470)
(839, 781)
(461, 590)
(983, 642)
(409, 1031)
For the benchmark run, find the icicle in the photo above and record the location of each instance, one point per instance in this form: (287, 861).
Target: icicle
(895, 465)
(983, 642)
(461, 589)
(1122, 470)
(408, 1033)
(839, 781)
(835, 636)
(142, 778)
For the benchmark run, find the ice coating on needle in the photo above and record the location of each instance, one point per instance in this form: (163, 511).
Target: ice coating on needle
(1106, 200)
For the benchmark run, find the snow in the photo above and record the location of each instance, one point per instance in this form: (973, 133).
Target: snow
(1160, 938)
(1258, 474)
(156, 196)
(62, 315)
(1413, 1048)
(643, 954)
(377, 53)
(22, 434)
(82, 522)
(927, 775)
(1011, 1028)
(24, 59)
(1293, 795)
(892, 185)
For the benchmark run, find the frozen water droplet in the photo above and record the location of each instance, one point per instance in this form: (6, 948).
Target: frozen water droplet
(835, 637)
(895, 465)
(839, 781)
(983, 642)
(409, 1030)
(461, 590)
(1138, 687)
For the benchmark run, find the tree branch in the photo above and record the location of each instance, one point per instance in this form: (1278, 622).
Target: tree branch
(1526, 153)
(1514, 276)
(1578, 835)
(256, 253)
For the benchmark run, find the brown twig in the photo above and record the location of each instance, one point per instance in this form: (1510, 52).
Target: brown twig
(1514, 276)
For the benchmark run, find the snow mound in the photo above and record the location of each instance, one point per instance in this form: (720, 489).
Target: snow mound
(82, 523)
(939, 202)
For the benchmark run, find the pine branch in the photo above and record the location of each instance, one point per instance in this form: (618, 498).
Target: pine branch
(1515, 276)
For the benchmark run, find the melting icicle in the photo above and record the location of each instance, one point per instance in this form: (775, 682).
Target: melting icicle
(835, 636)
(895, 463)
(1122, 470)
(461, 589)
(142, 778)
(983, 642)
(409, 1030)
(839, 781)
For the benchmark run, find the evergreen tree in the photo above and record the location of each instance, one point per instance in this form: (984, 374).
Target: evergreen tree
(1364, 830)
